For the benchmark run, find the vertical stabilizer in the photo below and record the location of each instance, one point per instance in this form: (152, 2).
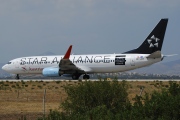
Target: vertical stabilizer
(154, 40)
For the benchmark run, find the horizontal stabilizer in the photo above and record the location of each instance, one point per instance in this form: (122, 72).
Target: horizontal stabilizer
(169, 55)
(156, 54)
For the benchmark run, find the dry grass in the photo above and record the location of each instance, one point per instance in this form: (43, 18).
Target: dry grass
(148, 87)
(26, 98)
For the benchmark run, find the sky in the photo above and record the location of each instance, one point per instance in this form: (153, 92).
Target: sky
(33, 27)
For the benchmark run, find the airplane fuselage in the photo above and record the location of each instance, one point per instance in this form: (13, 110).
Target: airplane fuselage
(100, 63)
(147, 53)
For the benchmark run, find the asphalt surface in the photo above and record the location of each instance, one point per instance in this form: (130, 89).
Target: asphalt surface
(49, 80)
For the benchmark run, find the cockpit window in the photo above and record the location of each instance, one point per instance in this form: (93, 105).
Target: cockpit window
(9, 62)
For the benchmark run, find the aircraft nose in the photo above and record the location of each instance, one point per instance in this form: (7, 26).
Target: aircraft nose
(4, 67)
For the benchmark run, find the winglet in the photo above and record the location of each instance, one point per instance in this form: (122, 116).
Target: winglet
(68, 53)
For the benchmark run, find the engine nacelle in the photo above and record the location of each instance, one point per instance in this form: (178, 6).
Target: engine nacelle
(51, 72)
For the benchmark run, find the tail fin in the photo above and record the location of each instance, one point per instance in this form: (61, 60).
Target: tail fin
(154, 40)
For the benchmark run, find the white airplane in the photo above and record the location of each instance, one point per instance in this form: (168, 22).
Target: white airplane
(74, 66)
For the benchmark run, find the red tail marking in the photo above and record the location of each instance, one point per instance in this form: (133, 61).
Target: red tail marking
(67, 55)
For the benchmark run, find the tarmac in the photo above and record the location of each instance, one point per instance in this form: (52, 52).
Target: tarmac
(49, 80)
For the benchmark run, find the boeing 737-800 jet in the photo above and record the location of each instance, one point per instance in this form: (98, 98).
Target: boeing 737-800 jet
(147, 53)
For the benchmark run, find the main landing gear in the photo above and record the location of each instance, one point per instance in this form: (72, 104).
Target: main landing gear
(17, 77)
(86, 76)
(76, 76)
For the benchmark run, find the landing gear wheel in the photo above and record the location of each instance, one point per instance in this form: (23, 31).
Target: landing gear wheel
(75, 76)
(86, 77)
(17, 77)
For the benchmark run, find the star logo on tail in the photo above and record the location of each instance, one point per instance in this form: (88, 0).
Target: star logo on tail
(153, 42)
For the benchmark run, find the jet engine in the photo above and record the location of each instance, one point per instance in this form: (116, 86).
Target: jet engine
(51, 72)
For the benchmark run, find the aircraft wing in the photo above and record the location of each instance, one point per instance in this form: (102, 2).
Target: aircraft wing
(67, 65)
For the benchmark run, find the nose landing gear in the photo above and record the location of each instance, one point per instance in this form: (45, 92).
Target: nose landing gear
(17, 77)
